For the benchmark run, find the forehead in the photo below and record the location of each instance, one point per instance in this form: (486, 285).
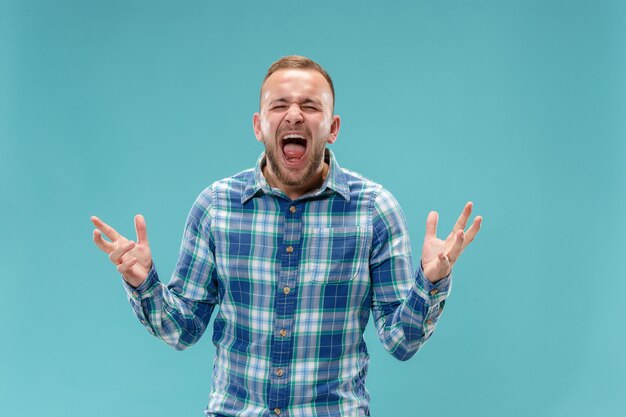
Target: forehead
(296, 84)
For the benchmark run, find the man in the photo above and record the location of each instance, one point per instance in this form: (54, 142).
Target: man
(296, 252)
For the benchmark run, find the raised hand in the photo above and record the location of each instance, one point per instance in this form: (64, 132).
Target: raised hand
(439, 256)
(133, 259)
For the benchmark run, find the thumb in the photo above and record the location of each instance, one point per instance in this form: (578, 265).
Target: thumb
(431, 225)
(438, 268)
(141, 229)
(444, 262)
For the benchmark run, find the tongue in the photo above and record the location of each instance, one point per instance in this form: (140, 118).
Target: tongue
(293, 150)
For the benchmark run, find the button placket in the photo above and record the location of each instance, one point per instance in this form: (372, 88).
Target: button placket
(289, 254)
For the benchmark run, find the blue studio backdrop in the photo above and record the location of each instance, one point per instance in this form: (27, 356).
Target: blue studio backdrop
(122, 107)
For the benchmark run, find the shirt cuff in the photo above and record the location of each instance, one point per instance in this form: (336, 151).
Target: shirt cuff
(146, 289)
(434, 292)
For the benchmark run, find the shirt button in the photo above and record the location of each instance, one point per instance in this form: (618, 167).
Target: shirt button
(429, 322)
(292, 209)
(434, 291)
(279, 372)
(286, 290)
(277, 411)
(289, 249)
(283, 332)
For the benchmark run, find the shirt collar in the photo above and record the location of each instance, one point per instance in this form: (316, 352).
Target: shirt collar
(335, 180)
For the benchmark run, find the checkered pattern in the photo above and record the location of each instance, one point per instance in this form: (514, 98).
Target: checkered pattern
(295, 282)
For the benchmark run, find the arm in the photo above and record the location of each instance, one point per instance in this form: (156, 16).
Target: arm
(179, 312)
(407, 306)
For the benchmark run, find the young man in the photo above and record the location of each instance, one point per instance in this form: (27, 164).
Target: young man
(296, 252)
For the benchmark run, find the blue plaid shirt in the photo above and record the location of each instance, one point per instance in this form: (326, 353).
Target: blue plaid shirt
(295, 281)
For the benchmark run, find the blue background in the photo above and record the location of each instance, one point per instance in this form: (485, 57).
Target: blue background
(122, 107)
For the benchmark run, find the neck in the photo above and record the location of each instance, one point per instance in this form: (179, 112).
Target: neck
(296, 191)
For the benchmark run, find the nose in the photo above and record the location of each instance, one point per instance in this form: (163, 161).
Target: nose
(294, 115)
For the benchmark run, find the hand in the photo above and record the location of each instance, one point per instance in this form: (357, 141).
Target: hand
(133, 260)
(439, 256)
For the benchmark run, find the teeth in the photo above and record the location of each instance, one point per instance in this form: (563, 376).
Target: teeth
(293, 136)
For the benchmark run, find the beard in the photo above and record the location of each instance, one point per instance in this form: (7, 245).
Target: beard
(309, 172)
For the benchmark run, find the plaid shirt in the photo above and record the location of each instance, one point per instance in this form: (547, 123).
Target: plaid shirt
(295, 281)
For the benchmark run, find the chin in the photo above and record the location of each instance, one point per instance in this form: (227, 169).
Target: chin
(290, 176)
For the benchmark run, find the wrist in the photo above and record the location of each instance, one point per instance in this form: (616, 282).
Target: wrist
(434, 274)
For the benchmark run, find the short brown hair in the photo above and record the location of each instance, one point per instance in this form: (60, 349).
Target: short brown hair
(298, 62)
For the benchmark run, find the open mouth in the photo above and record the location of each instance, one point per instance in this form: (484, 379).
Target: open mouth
(294, 147)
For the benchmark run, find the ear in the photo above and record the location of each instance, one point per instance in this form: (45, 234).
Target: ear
(256, 124)
(334, 130)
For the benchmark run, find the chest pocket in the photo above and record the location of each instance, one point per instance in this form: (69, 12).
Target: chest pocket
(335, 254)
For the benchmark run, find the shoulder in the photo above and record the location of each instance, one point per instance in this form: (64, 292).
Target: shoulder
(235, 182)
(219, 191)
(361, 186)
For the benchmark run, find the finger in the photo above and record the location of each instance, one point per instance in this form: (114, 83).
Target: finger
(465, 214)
(116, 255)
(106, 247)
(431, 224)
(108, 231)
(473, 230)
(142, 230)
(125, 266)
(457, 246)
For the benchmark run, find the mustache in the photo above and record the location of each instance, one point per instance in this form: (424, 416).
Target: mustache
(304, 131)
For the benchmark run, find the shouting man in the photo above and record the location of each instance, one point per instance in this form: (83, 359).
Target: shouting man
(296, 252)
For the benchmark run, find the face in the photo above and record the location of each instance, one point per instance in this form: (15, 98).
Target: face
(295, 123)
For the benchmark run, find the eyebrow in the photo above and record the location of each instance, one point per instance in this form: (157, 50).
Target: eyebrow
(304, 101)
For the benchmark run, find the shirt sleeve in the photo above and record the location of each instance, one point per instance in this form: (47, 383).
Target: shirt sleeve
(405, 305)
(179, 312)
